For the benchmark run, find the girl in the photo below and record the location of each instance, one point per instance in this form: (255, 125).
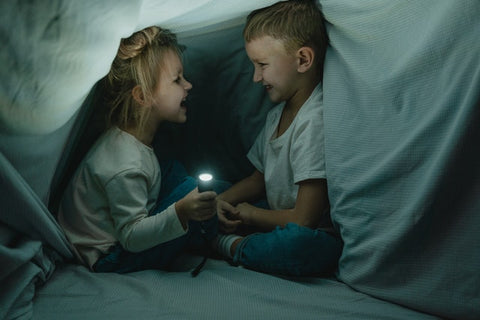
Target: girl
(110, 211)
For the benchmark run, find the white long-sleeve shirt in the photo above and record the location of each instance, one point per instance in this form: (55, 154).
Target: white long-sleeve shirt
(110, 196)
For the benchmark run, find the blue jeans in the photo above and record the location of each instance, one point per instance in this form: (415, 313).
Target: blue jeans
(293, 250)
(175, 185)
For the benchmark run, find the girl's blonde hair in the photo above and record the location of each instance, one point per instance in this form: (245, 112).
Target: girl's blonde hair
(138, 62)
(297, 23)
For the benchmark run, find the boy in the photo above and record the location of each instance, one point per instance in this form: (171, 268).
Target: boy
(286, 43)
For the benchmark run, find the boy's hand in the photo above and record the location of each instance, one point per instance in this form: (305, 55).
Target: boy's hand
(227, 217)
(196, 206)
(245, 212)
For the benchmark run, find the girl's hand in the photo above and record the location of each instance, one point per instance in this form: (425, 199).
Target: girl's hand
(228, 219)
(196, 206)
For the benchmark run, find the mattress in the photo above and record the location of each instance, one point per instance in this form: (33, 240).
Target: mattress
(220, 291)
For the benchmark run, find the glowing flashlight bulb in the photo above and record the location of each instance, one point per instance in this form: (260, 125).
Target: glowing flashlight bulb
(205, 177)
(204, 182)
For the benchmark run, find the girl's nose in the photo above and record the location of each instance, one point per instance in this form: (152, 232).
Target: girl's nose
(187, 85)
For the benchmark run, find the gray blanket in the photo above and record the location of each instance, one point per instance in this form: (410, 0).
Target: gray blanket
(402, 108)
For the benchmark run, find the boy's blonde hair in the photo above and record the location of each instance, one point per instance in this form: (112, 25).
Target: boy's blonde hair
(298, 23)
(138, 62)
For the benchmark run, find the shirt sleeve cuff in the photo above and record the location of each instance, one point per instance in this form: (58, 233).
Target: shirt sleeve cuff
(176, 225)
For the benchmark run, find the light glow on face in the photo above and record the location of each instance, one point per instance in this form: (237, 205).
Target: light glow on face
(205, 177)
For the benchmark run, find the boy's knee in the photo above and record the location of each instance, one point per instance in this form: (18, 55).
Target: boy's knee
(302, 243)
(294, 236)
(291, 241)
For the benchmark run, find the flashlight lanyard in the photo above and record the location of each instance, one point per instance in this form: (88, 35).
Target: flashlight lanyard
(199, 267)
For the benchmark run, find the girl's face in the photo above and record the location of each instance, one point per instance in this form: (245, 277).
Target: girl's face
(274, 67)
(171, 91)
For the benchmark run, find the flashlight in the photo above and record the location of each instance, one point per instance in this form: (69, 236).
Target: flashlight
(205, 182)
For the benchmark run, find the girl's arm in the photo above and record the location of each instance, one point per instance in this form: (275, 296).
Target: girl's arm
(311, 203)
(135, 229)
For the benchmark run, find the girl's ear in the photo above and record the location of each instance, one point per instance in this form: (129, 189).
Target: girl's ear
(305, 56)
(138, 96)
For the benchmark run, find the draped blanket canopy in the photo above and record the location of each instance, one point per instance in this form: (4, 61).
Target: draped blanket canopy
(402, 112)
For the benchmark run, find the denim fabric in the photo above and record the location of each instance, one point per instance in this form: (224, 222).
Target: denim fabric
(173, 174)
(293, 250)
(175, 185)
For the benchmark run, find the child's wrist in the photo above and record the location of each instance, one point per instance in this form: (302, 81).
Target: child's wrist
(248, 218)
(221, 197)
(182, 217)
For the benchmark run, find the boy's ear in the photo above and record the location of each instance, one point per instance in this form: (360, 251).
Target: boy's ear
(305, 56)
(138, 96)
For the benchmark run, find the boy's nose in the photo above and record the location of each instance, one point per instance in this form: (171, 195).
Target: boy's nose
(257, 76)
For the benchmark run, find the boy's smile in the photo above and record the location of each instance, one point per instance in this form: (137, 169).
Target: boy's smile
(274, 67)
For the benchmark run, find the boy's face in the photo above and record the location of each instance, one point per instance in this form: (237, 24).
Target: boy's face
(171, 91)
(274, 67)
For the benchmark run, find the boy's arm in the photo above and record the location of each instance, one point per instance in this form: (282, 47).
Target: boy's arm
(247, 190)
(312, 200)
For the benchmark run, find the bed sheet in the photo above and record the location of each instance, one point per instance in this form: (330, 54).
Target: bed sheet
(220, 291)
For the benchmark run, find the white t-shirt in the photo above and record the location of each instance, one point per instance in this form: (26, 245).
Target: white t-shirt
(110, 197)
(295, 156)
